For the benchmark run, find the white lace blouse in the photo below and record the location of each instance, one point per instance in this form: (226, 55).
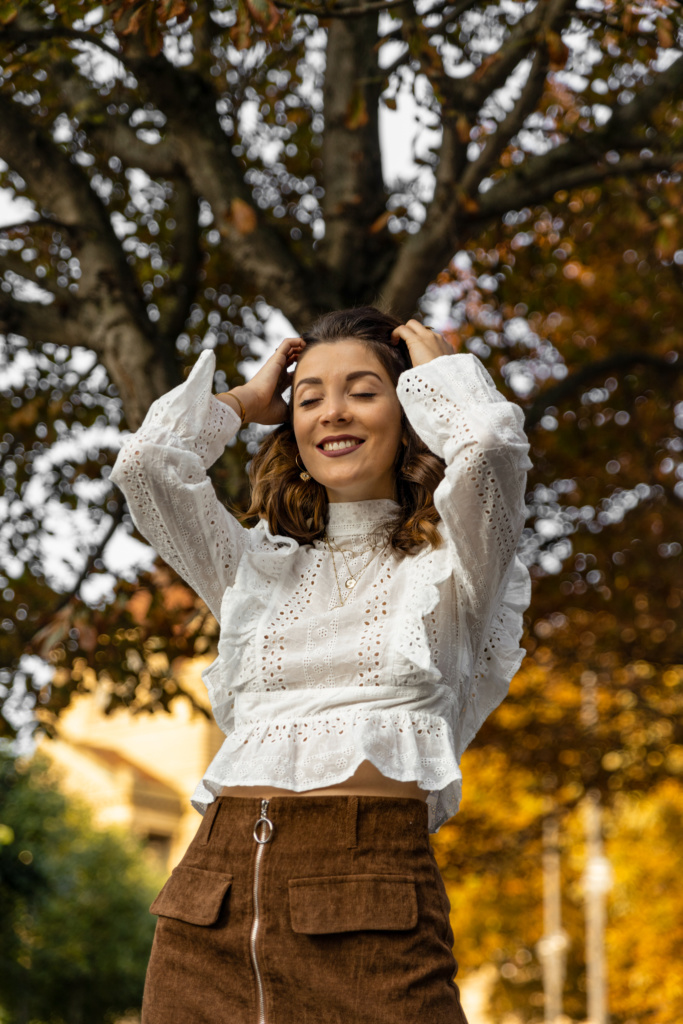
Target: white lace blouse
(405, 671)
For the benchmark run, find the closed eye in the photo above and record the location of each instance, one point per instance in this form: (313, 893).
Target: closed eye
(357, 394)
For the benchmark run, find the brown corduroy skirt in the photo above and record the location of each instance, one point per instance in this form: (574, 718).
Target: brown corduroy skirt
(305, 910)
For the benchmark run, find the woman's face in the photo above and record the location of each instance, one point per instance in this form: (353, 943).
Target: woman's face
(341, 392)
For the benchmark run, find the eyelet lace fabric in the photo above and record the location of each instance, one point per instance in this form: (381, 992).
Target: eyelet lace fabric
(402, 674)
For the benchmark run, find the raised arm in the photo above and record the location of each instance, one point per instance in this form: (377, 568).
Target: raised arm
(161, 470)
(454, 406)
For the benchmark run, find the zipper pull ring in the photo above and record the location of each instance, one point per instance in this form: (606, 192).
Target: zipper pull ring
(263, 834)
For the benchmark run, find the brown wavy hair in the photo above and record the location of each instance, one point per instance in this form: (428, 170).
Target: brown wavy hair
(298, 509)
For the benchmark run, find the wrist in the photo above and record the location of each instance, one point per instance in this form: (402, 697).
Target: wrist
(240, 396)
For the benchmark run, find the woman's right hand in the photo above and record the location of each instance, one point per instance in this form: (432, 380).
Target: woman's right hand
(262, 395)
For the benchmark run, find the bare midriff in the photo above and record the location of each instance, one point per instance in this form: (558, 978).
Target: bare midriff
(365, 781)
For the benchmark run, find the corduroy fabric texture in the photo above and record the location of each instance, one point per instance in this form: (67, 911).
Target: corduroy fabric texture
(353, 919)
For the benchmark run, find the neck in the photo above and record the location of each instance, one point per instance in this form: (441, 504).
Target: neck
(362, 520)
(377, 493)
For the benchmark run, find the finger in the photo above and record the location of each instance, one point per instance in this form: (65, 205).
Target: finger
(286, 346)
(293, 346)
(284, 380)
(400, 332)
(423, 329)
(410, 330)
(425, 332)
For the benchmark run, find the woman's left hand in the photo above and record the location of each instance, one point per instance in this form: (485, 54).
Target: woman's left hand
(423, 343)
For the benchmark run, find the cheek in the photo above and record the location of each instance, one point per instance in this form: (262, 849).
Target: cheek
(299, 428)
(387, 426)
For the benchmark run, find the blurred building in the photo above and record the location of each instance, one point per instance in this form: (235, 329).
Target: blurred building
(139, 771)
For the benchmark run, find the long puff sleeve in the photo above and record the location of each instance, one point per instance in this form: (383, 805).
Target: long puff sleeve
(161, 470)
(455, 408)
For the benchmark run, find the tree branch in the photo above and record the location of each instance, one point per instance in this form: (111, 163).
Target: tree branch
(205, 153)
(44, 220)
(609, 21)
(112, 135)
(158, 160)
(355, 195)
(53, 322)
(468, 94)
(558, 393)
(203, 30)
(399, 34)
(579, 161)
(63, 188)
(186, 244)
(325, 12)
(496, 143)
(97, 550)
(423, 254)
(20, 268)
(577, 177)
(37, 643)
(108, 315)
(458, 10)
(41, 35)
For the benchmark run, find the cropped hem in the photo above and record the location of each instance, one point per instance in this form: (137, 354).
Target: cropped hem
(442, 804)
(410, 759)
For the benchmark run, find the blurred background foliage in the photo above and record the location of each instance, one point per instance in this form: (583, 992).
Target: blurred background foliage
(490, 856)
(75, 927)
(188, 170)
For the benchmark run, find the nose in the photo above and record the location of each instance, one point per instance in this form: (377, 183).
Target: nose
(334, 409)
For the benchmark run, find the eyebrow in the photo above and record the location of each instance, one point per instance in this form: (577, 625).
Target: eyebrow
(349, 376)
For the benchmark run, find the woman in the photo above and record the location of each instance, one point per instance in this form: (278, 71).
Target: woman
(369, 622)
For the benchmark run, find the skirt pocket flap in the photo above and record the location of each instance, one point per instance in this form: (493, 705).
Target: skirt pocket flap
(349, 903)
(192, 895)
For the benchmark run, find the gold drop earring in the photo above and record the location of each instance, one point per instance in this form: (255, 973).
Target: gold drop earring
(305, 475)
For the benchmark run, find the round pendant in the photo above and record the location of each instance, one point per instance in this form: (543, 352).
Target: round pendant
(350, 583)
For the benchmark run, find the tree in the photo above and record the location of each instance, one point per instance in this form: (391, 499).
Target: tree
(598, 701)
(74, 921)
(490, 856)
(194, 165)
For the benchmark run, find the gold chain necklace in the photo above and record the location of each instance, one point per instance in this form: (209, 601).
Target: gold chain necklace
(352, 580)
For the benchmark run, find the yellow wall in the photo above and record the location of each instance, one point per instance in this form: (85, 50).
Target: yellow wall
(139, 771)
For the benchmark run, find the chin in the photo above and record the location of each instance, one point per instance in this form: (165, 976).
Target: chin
(341, 483)
(355, 490)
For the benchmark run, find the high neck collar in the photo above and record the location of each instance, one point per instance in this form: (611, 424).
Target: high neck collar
(346, 519)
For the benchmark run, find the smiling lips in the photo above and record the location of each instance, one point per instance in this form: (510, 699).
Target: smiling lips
(339, 446)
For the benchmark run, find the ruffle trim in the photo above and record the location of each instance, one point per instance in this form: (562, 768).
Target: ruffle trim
(241, 608)
(266, 754)
(488, 683)
(427, 571)
(500, 658)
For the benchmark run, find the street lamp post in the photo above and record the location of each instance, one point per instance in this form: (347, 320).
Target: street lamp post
(597, 881)
(552, 948)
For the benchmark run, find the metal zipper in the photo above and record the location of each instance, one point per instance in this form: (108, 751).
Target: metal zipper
(263, 833)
